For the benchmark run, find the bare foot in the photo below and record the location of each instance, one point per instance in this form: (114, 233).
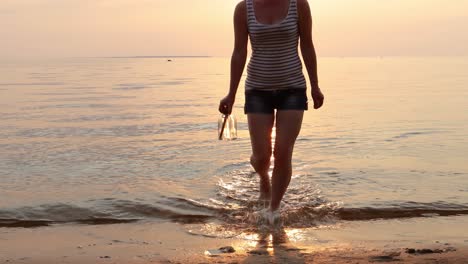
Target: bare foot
(267, 217)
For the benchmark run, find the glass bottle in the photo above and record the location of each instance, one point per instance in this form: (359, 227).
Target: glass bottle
(227, 127)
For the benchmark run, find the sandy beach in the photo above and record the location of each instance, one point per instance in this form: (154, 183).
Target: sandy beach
(427, 240)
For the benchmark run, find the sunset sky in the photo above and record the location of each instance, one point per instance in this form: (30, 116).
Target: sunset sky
(70, 28)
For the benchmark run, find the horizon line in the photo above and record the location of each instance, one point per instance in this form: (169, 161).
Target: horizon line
(217, 56)
(153, 56)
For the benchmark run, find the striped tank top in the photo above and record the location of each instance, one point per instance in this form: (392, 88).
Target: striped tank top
(274, 63)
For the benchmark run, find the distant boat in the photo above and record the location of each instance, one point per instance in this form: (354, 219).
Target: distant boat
(169, 60)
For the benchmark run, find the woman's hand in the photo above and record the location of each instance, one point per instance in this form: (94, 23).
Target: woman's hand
(226, 104)
(317, 96)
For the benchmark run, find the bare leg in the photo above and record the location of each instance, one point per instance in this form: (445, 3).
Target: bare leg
(288, 126)
(260, 126)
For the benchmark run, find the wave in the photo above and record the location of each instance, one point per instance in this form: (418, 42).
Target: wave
(33, 84)
(41, 223)
(187, 211)
(354, 214)
(114, 131)
(234, 205)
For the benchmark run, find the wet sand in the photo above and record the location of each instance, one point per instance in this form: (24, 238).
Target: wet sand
(430, 240)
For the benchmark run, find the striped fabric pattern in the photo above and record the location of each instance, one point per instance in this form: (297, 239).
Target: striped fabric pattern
(275, 62)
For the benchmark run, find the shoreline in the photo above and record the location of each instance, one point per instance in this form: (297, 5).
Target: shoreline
(433, 239)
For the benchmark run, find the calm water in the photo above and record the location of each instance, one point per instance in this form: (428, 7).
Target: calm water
(104, 140)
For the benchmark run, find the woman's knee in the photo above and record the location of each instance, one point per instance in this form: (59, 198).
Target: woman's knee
(261, 158)
(283, 154)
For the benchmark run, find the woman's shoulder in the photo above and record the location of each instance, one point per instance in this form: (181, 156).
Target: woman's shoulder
(303, 8)
(302, 3)
(241, 17)
(241, 9)
(241, 6)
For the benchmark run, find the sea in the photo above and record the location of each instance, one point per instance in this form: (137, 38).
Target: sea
(92, 141)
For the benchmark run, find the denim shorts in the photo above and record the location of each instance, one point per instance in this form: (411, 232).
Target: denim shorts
(265, 102)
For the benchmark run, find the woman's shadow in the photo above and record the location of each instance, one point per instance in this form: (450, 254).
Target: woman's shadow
(273, 245)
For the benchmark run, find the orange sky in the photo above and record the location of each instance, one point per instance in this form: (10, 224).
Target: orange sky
(64, 28)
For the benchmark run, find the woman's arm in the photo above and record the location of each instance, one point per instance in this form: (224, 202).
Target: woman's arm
(308, 50)
(238, 58)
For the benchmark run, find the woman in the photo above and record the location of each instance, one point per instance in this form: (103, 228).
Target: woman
(274, 82)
